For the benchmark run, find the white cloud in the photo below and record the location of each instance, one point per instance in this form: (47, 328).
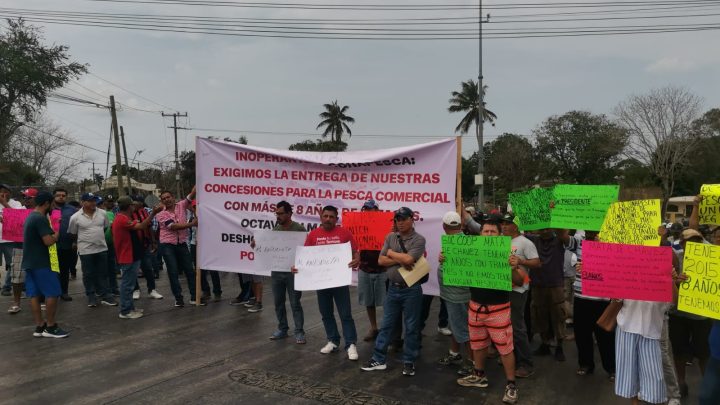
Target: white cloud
(671, 65)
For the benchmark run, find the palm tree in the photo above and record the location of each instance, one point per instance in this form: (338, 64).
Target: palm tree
(334, 120)
(467, 100)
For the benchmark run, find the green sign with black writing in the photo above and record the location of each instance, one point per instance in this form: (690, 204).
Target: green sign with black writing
(477, 261)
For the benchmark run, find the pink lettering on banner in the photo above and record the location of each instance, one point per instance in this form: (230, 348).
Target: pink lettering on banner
(13, 221)
(612, 270)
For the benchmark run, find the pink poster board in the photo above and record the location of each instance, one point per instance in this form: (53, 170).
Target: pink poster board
(14, 219)
(612, 270)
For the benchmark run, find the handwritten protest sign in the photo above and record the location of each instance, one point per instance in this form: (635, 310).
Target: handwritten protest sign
(580, 206)
(612, 270)
(700, 294)
(532, 208)
(55, 216)
(324, 266)
(477, 261)
(709, 210)
(13, 220)
(632, 222)
(275, 250)
(368, 227)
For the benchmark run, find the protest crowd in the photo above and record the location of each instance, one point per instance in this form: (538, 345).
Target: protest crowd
(121, 246)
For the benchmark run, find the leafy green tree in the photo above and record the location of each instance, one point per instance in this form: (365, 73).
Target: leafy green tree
(579, 147)
(467, 101)
(29, 71)
(513, 159)
(335, 121)
(319, 146)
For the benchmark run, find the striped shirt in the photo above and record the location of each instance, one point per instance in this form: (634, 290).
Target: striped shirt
(166, 218)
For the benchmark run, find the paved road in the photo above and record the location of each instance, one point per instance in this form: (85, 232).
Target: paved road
(220, 354)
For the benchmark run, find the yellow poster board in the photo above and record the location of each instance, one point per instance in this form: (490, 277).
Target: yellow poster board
(700, 294)
(709, 210)
(632, 223)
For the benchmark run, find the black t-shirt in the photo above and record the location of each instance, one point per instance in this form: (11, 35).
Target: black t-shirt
(486, 296)
(552, 258)
(369, 261)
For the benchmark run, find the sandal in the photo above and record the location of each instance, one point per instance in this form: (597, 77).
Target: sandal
(584, 371)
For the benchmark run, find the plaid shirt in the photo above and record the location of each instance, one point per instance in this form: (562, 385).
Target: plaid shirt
(166, 218)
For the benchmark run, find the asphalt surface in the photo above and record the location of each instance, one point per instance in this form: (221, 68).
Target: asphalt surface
(221, 354)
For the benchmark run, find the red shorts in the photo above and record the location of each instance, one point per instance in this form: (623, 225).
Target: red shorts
(490, 323)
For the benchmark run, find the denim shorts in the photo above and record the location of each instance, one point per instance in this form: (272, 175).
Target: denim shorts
(42, 282)
(458, 320)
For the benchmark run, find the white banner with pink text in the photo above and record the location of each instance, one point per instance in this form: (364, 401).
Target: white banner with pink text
(238, 187)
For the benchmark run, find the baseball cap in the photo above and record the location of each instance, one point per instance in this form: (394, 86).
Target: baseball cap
(5, 186)
(690, 233)
(43, 197)
(124, 200)
(30, 192)
(88, 197)
(109, 197)
(370, 205)
(471, 210)
(136, 198)
(451, 218)
(509, 217)
(403, 213)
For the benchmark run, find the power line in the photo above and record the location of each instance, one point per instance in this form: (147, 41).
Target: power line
(130, 91)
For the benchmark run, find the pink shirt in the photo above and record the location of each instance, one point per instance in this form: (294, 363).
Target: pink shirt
(166, 218)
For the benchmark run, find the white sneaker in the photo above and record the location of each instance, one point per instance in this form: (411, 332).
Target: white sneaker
(131, 315)
(155, 295)
(445, 331)
(352, 352)
(329, 348)
(136, 294)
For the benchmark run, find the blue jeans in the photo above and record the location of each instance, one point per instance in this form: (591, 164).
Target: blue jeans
(341, 296)
(177, 259)
(146, 264)
(710, 388)
(128, 278)
(408, 304)
(95, 275)
(284, 283)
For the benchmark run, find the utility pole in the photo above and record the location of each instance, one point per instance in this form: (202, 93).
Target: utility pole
(175, 116)
(127, 165)
(118, 164)
(479, 178)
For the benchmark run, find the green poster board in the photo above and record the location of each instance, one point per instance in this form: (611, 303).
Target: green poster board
(477, 261)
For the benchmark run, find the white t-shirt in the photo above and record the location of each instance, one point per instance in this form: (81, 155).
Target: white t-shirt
(13, 204)
(523, 248)
(643, 317)
(90, 231)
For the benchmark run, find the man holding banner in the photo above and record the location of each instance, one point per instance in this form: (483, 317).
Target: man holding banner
(284, 282)
(330, 234)
(401, 249)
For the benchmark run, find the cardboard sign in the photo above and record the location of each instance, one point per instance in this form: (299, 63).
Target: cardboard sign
(581, 207)
(275, 250)
(612, 270)
(709, 210)
(477, 261)
(13, 221)
(324, 266)
(532, 208)
(700, 294)
(632, 222)
(419, 270)
(369, 228)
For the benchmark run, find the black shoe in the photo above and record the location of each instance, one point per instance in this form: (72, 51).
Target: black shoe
(543, 350)
(559, 355)
(39, 330)
(66, 297)
(54, 332)
(409, 369)
(6, 293)
(179, 303)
